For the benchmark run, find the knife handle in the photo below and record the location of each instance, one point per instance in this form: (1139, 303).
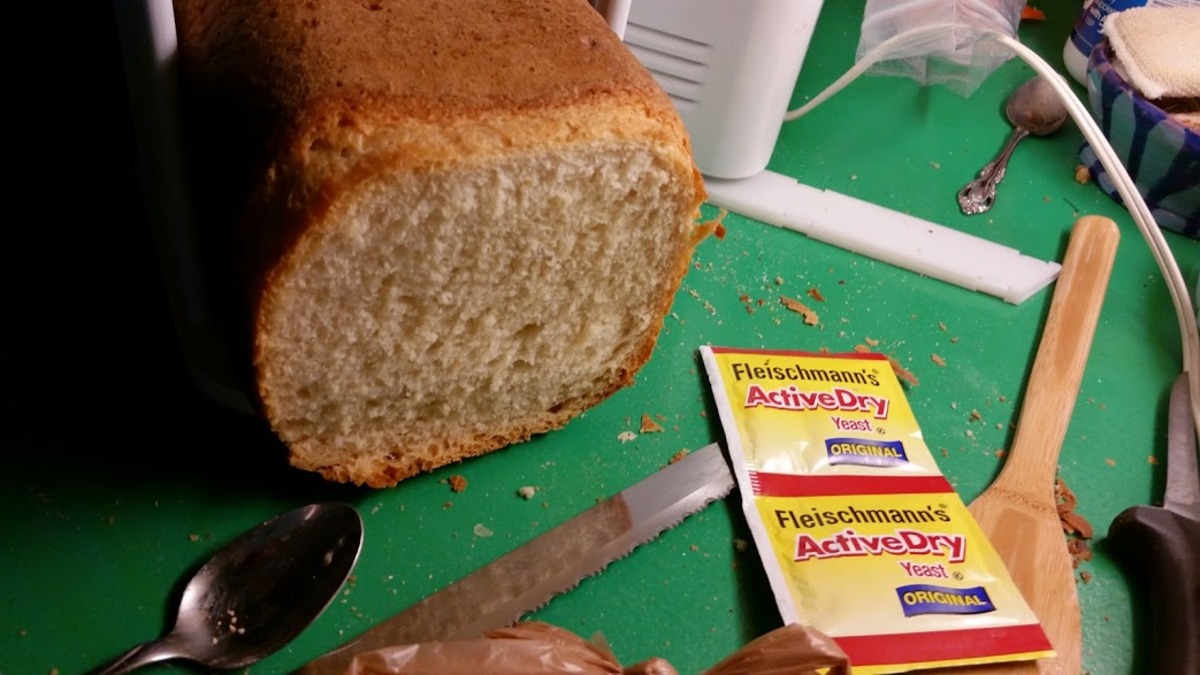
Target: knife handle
(1164, 547)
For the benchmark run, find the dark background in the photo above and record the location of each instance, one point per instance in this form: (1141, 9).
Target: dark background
(93, 363)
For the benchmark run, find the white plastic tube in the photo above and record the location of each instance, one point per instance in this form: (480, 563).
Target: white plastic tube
(1176, 285)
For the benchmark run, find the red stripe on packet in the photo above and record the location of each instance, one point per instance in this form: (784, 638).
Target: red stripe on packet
(852, 356)
(788, 485)
(946, 645)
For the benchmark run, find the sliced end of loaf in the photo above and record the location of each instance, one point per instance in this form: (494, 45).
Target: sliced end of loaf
(442, 313)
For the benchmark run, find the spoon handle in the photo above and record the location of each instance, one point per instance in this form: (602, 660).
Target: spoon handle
(139, 656)
(979, 195)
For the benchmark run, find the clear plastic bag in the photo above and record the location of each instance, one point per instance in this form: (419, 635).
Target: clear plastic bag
(938, 40)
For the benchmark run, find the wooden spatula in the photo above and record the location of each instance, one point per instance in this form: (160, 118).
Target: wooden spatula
(1018, 511)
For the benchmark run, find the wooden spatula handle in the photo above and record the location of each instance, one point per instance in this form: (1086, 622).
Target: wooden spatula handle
(1061, 356)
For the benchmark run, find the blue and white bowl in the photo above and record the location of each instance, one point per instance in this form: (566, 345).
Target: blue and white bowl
(1160, 154)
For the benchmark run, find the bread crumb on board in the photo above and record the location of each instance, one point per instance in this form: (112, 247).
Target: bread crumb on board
(458, 483)
(815, 294)
(626, 436)
(1082, 174)
(938, 360)
(527, 492)
(810, 317)
(481, 530)
(746, 302)
(901, 372)
(678, 456)
(715, 227)
(649, 426)
(1077, 528)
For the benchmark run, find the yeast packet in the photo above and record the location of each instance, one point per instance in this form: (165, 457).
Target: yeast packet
(861, 535)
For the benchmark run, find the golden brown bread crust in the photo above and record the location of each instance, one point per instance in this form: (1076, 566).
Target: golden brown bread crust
(301, 103)
(329, 90)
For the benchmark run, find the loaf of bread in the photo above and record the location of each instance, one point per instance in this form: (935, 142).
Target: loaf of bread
(461, 223)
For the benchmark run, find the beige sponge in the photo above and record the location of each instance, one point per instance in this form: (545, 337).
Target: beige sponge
(1159, 49)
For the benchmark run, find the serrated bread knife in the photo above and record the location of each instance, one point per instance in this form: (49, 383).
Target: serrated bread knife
(523, 580)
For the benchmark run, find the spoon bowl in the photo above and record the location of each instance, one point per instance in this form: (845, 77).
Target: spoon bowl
(258, 592)
(1034, 109)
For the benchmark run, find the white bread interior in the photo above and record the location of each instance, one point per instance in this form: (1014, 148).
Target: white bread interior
(445, 258)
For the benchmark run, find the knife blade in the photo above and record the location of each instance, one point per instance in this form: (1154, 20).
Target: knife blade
(498, 594)
(1163, 543)
(1182, 494)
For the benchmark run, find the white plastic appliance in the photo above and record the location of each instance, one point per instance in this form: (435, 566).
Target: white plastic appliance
(729, 66)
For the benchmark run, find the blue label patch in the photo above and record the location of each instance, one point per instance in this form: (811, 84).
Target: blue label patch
(917, 599)
(865, 452)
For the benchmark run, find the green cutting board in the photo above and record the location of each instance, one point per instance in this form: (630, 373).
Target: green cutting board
(120, 478)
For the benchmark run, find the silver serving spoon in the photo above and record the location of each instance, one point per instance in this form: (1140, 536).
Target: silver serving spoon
(259, 592)
(1033, 109)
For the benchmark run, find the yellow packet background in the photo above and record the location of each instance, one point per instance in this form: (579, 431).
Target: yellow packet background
(860, 533)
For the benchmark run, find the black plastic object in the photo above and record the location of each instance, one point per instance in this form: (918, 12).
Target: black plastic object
(1164, 547)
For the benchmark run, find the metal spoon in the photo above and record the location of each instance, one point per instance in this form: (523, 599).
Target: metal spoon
(1033, 109)
(259, 592)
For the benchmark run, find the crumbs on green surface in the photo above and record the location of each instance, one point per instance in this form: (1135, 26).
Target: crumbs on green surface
(810, 317)
(649, 426)
(1077, 528)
